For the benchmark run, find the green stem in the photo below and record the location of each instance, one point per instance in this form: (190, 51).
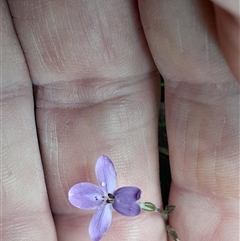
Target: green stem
(150, 207)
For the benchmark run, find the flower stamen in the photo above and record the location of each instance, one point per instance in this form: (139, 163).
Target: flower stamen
(110, 198)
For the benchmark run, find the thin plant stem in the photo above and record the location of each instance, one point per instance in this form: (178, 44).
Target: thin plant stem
(150, 207)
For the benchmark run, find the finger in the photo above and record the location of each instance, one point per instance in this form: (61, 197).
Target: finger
(228, 27)
(25, 210)
(96, 93)
(231, 6)
(202, 110)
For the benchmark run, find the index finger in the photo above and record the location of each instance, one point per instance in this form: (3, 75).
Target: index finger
(96, 93)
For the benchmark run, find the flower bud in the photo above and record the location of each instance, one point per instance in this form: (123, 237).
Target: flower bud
(147, 206)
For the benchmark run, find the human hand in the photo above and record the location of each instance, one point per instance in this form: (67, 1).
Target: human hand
(96, 92)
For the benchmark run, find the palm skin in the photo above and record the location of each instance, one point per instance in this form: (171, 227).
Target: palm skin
(94, 69)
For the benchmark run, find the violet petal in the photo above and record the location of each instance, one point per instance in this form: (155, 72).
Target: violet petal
(100, 222)
(106, 174)
(85, 195)
(125, 201)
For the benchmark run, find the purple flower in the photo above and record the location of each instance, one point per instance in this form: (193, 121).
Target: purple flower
(88, 196)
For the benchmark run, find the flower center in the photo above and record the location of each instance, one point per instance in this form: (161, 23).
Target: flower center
(110, 198)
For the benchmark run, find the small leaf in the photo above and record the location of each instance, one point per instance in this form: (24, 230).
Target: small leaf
(169, 208)
(172, 233)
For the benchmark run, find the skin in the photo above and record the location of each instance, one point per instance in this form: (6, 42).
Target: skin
(80, 79)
